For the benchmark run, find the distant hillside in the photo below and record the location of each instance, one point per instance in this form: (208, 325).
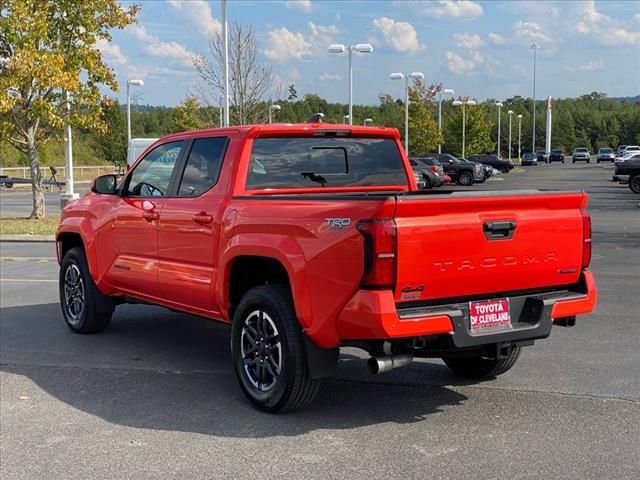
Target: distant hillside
(635, 99)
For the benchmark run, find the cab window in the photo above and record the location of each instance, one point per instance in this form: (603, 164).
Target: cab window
(203, 166)
(152, 176)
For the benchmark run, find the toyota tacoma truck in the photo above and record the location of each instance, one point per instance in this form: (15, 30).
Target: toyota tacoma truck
(308, 238)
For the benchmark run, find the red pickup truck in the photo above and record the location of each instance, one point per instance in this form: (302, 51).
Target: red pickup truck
(306, 238)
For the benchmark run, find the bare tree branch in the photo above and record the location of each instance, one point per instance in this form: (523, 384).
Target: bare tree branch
(249, 80)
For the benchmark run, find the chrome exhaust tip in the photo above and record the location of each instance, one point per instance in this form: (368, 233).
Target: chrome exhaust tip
(386, 363)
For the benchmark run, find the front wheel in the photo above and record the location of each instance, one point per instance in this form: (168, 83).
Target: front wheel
(634, 183)
(267, 351)
(78, 295)
(479, 367)
(465, 179)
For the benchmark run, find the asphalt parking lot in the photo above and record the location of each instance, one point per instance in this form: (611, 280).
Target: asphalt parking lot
(154, 396)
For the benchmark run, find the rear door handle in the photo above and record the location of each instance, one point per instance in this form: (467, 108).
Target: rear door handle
(202, 218)
(150, 215)
(499, 230)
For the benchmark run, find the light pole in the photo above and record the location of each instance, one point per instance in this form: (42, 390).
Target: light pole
(510, 112)
(225, 38)
(534, 47)
(274, 107)
(519, 135)
(135, 83)
(463, 103)
(367, 120)
(360, 47)
(499, 105)
(447, 91)
(400, 76)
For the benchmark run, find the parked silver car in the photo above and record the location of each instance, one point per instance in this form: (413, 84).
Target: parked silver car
(605, 154)
(581, 154)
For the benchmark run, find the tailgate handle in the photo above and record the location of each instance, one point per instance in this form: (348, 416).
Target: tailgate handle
(499, 230)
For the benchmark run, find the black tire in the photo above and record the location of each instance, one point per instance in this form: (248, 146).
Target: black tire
(465, 179)
(478, 367)
(634, 183)
(290, 386)
(8, 184)
(78, 299)
(427, 182)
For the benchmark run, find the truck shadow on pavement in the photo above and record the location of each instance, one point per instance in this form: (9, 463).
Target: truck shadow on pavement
(156, 369)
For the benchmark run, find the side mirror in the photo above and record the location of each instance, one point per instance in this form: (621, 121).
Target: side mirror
(104, 184)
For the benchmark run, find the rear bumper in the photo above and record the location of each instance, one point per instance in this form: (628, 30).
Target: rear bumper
(373, 315)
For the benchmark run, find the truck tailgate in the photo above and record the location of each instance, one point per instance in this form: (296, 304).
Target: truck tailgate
(485, 243)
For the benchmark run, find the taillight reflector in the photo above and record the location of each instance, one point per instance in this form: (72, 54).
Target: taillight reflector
(586, 238)
(379, 252)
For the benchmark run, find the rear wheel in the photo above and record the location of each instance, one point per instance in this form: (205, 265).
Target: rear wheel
(634, 183)
(465, 179)
(78, 295)
(268, 353)
(427, 182)
(480, 367)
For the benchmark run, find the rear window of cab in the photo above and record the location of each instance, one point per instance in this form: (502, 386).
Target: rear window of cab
(312, 162)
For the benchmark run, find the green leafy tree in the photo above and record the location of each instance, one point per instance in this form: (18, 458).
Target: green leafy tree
(50, 61)
(186, 116)
(111, 144)
(478, 131)
(293, 93)
(423, 130)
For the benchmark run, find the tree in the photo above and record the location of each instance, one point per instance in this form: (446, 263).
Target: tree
(111, 144)
(477, 131)
(51, 71)
(186, 116)
(293, 93)
(249, 80)
(423, 130)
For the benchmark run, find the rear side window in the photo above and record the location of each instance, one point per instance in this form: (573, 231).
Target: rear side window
(203, 166)
(311, 162)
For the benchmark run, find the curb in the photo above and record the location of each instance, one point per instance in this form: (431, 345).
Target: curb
(27, 238)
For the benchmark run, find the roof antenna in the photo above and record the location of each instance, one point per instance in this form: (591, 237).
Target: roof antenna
(316, 118)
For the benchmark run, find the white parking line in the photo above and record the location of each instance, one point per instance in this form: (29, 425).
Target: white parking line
(28, 280)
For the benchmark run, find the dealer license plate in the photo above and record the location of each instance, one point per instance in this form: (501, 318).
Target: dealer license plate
(489, 315)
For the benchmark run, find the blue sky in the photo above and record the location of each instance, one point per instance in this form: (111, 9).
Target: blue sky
(480, 49)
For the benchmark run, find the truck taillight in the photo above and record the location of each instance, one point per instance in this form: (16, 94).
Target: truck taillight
(379, 252)
(586, 238)
(434, 168)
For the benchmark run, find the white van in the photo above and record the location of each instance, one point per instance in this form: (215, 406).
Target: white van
(136, 147)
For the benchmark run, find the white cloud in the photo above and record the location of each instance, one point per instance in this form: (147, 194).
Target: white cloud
(329, 76)
(468, 41)
(199, 13)
(401, 36)
(591, 66)
(497, 39)
(156, 47)
(530, 30)
(302, 5)
(321, 37)
(599, 26)
(284, 44)
(458, 64)
(293, 73)
(457, 9)
(112, 53)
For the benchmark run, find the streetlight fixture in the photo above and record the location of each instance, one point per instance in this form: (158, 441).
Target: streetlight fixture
(510, 112)
(519, 135)
(345, 119)
(135, 83)
(340, 48)
(499, 105)
(446, 91)
(274, 107)
(400, 76)
(463, 103)
(534, 47)
(367, 120)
